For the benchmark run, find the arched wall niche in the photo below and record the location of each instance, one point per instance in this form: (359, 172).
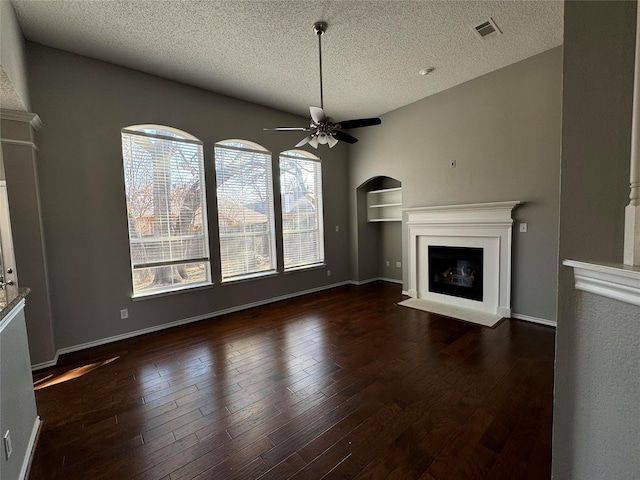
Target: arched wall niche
(379, 242)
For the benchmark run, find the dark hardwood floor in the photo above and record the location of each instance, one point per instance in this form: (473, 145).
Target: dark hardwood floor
(339, 384)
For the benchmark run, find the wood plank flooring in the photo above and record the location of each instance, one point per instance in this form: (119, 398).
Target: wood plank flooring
(339, 384)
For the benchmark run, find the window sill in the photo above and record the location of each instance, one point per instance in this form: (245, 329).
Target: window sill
(315, 266)
(249, 277)
(190, 288)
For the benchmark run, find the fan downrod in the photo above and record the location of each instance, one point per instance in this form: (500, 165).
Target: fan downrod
(319, 28)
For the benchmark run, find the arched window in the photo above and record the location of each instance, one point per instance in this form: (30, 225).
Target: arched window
(166, 209)
(302, 218)
(245, 209)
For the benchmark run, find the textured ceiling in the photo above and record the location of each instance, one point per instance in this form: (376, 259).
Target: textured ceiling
(266, 51)
(9, 98)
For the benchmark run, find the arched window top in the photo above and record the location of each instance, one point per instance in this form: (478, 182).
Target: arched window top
(242, 144)
(300, 154)
(161, 131)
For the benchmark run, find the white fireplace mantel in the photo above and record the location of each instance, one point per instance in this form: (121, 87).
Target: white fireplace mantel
(480, 225)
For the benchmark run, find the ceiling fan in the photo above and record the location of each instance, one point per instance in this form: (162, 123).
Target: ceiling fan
(323, 130)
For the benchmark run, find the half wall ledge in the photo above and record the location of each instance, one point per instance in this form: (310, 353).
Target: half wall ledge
(615, 281)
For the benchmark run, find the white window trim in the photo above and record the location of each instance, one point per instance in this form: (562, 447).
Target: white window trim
(307, 156)
(251, 147)
(182, 137)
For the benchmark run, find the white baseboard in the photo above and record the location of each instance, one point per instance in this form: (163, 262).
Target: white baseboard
(363, 282)
(50, 363)
(375, 279)
(527, 318)
(184, 321)
(31, 446)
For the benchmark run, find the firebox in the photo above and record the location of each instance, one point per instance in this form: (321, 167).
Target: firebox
(456, 271)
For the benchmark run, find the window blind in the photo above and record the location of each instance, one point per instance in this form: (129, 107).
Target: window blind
(302, 218)
(245, 210)
(166, 209)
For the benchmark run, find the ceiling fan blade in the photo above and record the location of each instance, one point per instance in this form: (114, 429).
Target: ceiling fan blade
(304, 141)
(362, 122)
(317, 114)
(290, 129)
(344, 137)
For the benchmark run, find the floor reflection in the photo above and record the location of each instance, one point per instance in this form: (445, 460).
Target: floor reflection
(304, 340)
(71, 374)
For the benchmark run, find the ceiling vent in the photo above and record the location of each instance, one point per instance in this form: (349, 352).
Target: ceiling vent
(487, 29)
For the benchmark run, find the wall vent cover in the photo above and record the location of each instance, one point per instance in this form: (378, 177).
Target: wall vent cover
(487, 29)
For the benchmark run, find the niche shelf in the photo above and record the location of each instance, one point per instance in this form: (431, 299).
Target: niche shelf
(384, 205)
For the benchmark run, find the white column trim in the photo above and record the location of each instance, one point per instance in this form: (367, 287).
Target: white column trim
(21, 143)
(18, 116)
(632, 211)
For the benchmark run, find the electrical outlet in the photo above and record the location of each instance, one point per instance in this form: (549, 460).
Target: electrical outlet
(124, 313)
(399, 264)
(328, 273)
(7, 445)
(452, 164)
(387, 263)
(337, 228)
(523, 228)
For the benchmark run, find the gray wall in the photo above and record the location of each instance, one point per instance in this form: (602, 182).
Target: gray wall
(13, 71)
(597, 410)
(504, 131)
(83, 104)
(17, 401)
(366, 235)
(390, 250)
(597, 387)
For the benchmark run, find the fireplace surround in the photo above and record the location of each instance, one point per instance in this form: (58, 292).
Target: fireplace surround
(484, 227)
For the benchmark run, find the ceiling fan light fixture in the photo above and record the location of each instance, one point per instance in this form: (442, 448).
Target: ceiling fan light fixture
(323, 129)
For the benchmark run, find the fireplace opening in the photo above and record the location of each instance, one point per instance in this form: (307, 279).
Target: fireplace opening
(456, 271)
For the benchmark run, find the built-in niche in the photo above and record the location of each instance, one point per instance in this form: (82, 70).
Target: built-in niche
(380, 229)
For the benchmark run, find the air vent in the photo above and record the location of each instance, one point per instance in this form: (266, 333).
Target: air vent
(487, 29)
